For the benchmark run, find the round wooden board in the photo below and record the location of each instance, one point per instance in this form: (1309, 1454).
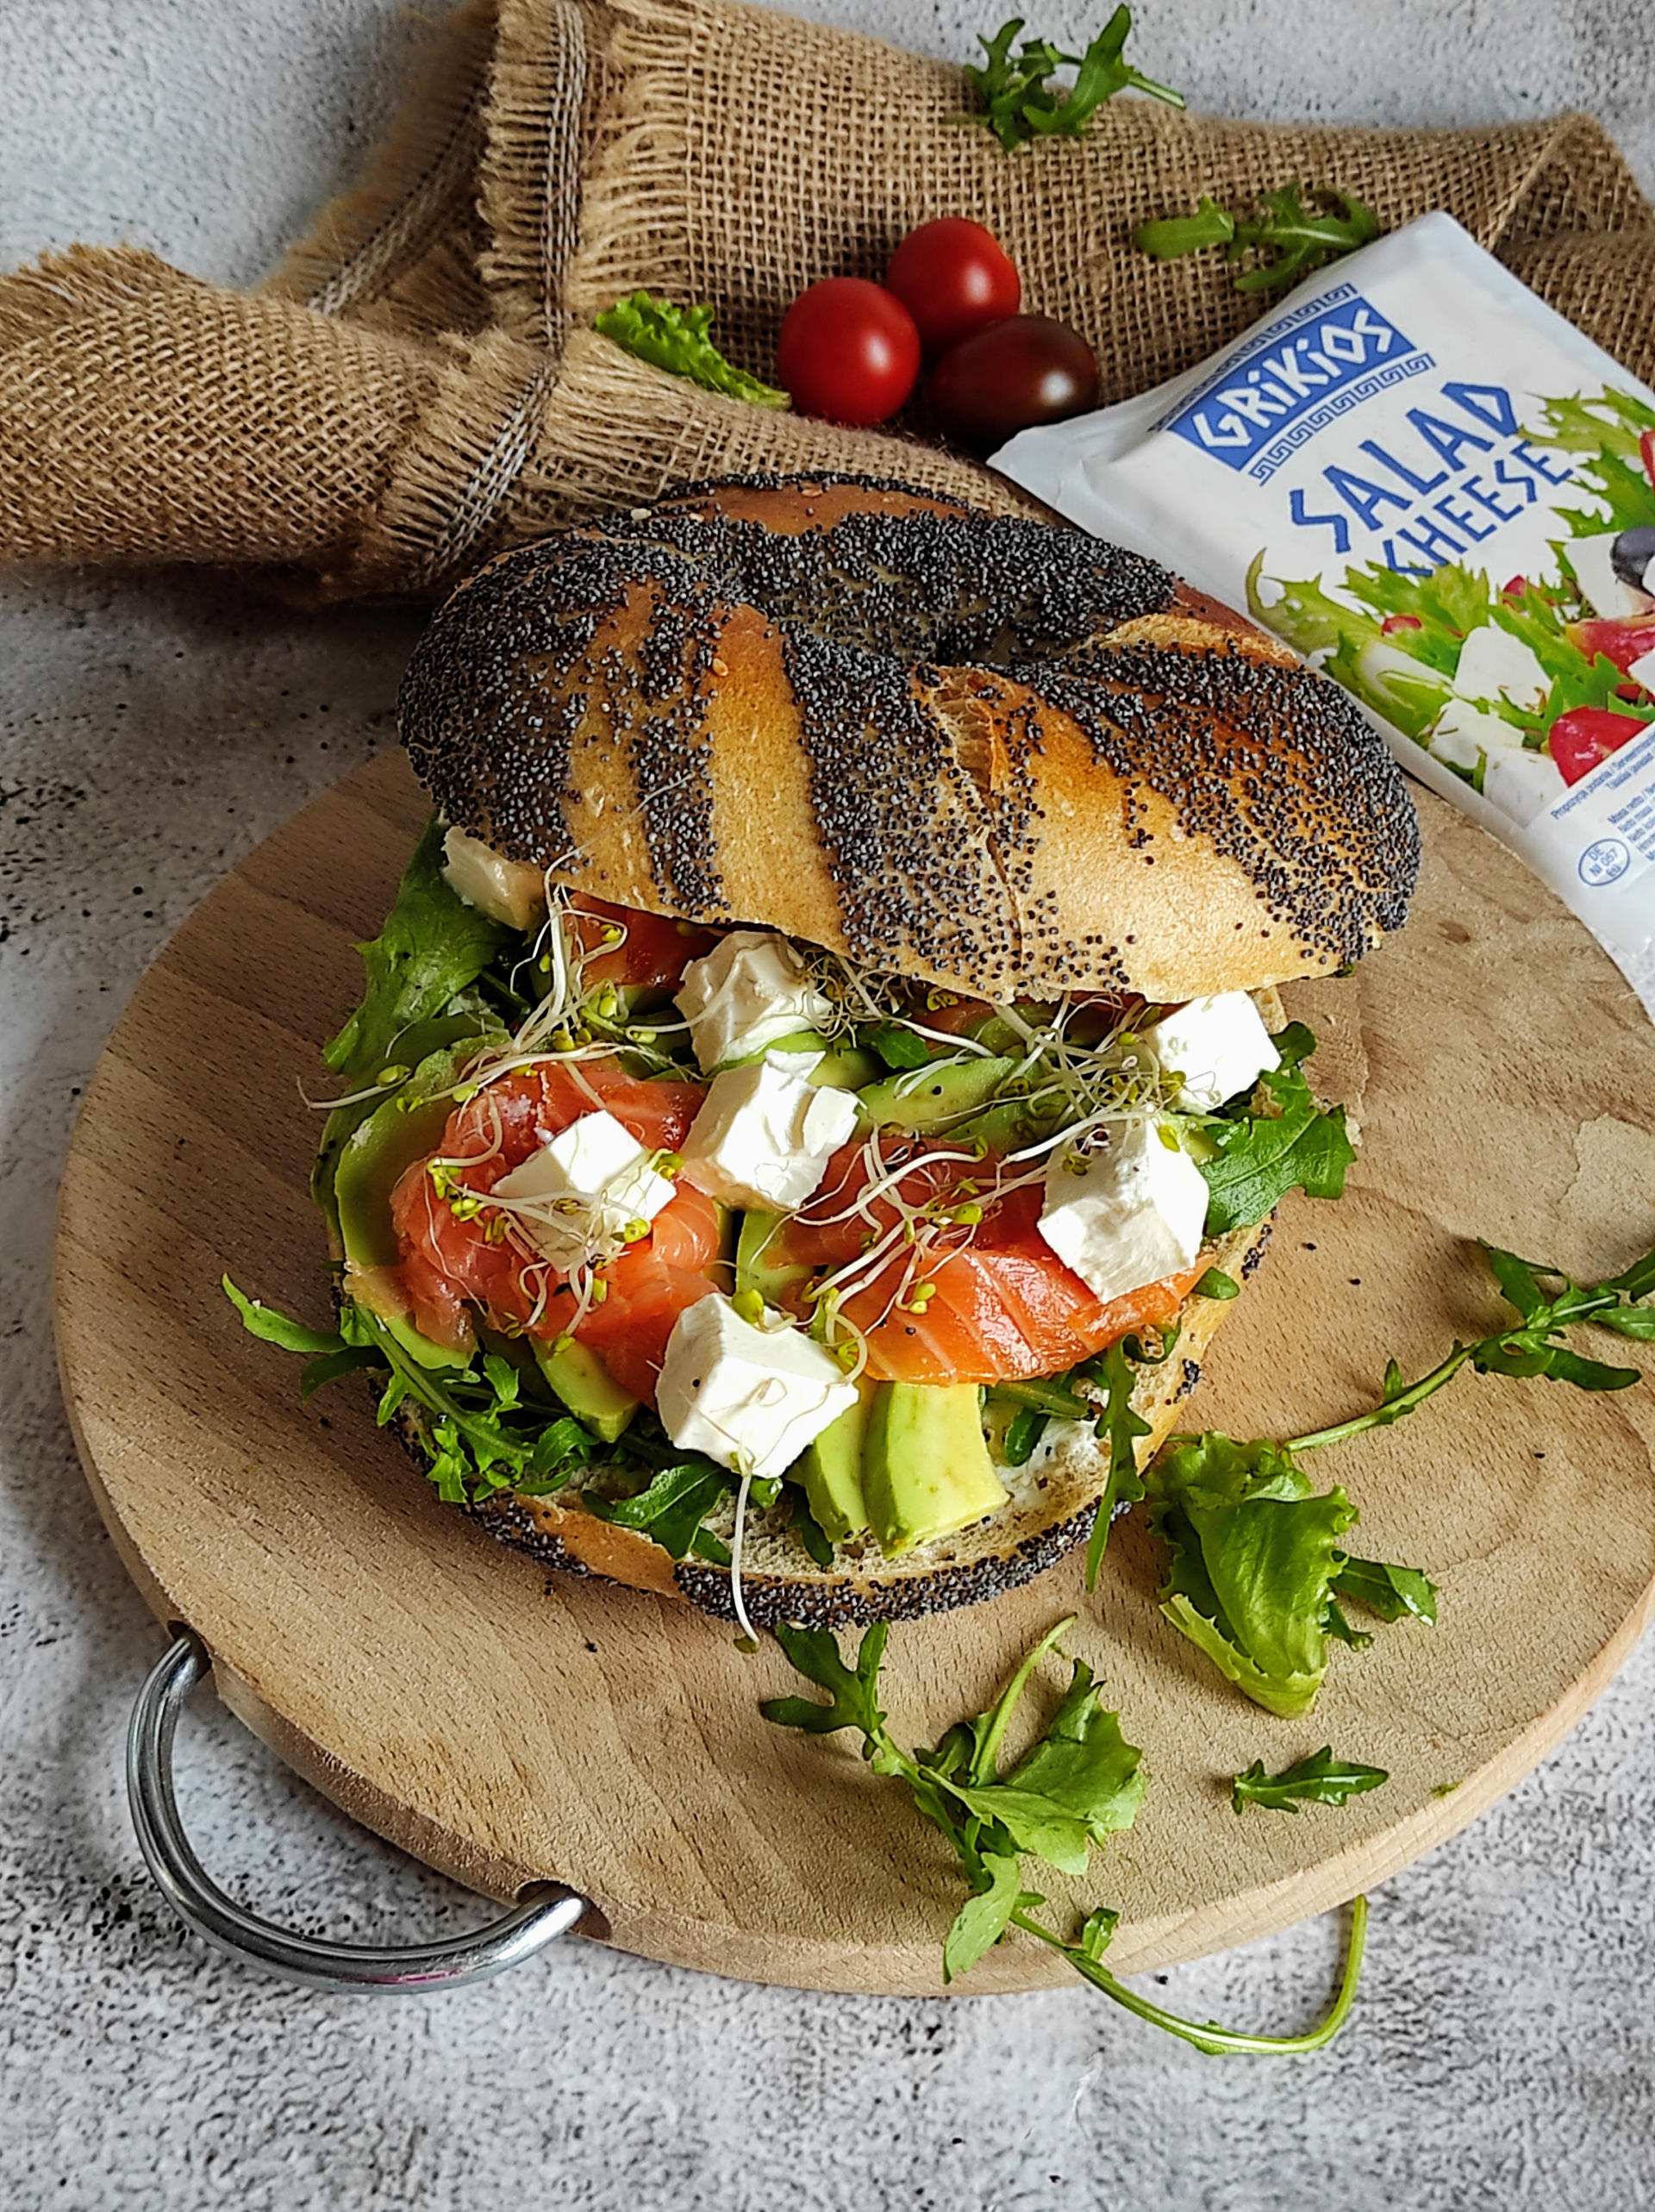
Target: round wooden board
(507, 1725)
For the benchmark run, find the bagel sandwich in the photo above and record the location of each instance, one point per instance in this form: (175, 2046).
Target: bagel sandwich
(820, 1087)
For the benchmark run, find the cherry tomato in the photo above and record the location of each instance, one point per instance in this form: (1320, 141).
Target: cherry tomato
(1586, 736)
(1624, 642)
(1009, 377)
(848, 352)
(953, 277)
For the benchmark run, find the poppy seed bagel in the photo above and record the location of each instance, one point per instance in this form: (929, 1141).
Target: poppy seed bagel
(981, 751)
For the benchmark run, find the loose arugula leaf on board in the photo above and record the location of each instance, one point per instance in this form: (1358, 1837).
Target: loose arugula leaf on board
(1296, 239)
(1260, 1158)
(1321, 1779)
(1081, 1774)
(1022, 102)
(431, 945)
(1254, 1552)
(1530, 1348)
(679, 341)
(1394, 1593)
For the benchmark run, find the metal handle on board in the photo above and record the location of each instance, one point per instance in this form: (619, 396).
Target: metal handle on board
(544, 1914)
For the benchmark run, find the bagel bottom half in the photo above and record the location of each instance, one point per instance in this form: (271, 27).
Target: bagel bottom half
(1051, 1509)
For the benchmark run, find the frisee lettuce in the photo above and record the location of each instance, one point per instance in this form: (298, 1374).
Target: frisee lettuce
(679, 341)
(1080, 1782)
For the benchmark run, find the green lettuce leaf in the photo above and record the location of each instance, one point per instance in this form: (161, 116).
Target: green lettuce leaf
(678, 339)
(1254, 1553)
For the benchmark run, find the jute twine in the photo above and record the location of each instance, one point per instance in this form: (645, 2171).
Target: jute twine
(419, 384)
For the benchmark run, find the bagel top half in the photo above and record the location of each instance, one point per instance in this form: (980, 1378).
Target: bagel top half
(977, 750)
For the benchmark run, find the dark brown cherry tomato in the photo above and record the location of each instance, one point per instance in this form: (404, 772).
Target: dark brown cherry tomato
(954, 277)
(848, 352)
(1009, 377)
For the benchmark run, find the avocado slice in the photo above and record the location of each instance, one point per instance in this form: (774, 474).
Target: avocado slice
(578, 1376)
(415, 1046)
(831, 1470)
(758, 1262)
(847, 1069)
(375, 1155)
(921, 1097)
(926, 1468)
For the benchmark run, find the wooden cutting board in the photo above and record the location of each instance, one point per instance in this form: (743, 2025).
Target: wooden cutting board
(507, 1725)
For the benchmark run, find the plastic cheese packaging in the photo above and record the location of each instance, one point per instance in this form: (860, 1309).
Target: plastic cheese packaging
(1444, 494)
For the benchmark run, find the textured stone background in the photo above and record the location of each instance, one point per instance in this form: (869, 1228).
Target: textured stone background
(1504, 2051)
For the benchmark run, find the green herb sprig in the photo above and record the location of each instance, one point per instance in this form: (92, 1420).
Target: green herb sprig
(1531, 1348)
(1299, 238)
(1080, 1782)
(1022, 103)
(1321, 1779)
(678, 340)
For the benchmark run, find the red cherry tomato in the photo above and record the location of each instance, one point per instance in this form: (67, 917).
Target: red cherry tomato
(954, 277)
(848, 352)
(1585, 736)
(1625, 641)
(1009, 377)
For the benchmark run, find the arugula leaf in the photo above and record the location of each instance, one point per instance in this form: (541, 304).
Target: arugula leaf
(431, 945)
(1254, 1552)
(678, 340)
(1321, 1779)
(1023, 1431)
(1215, 1284)
(897, 1045)
(985, 1916)
(1079, 1782)
(1020, 101)
(1530, 1348)
(1120, 1426)
(1296, 238)
(273, 1327)
(1259, 1159)
(1394, 1593)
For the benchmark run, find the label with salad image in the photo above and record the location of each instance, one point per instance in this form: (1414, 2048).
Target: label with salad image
(1443, 495)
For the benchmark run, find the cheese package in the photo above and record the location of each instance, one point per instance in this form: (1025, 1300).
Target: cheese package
(1443, 495)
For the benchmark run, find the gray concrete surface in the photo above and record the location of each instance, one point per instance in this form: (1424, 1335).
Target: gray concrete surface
(151, 731)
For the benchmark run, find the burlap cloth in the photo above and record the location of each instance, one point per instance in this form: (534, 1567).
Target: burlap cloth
(419, 384)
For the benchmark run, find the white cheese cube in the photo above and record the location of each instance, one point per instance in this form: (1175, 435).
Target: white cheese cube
(1521, 783)
(765, 1135)
(506, 891)
(751, 1399)
(750, 992)
(1492, 662)
(1642, 672)
(582, 1193)
(1607, 595)
(1127, 1213)
(1219, 1045)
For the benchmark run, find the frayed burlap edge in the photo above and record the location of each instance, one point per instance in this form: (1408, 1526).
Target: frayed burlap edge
(416, 199)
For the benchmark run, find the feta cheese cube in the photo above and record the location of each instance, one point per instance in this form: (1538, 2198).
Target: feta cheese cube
(1127, 1213)
(750, 992)
(506, 891)
(1219, 1045)
(751, 1399)
(1492, 662)
(581, 1193)
(1642, 672)
(765, 1135)
(1608, 595)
